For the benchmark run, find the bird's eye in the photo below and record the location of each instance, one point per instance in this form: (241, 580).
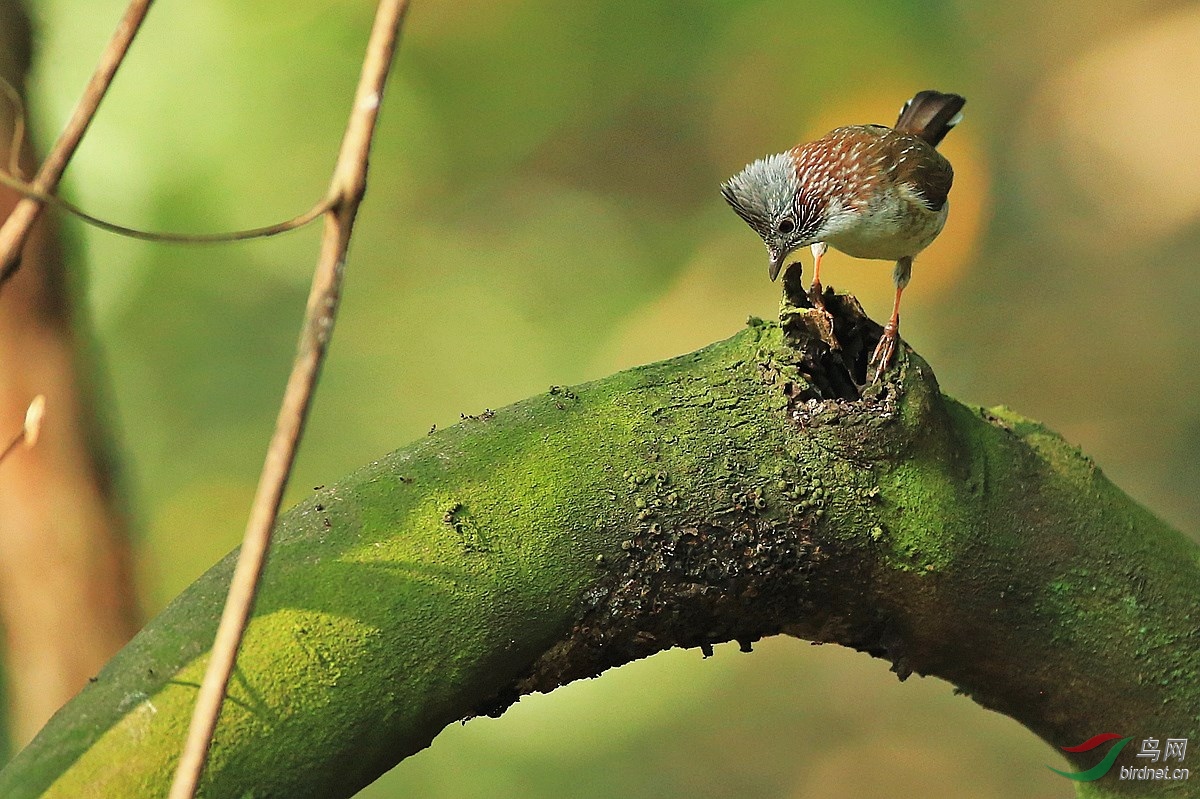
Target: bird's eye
(785, 226)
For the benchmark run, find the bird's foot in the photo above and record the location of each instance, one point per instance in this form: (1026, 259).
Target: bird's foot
(884, 351)
(816, 295)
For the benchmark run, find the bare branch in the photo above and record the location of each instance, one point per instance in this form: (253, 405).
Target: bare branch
(16, 228)
(346, 191)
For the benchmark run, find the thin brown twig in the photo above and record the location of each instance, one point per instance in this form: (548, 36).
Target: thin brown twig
(347, 187)
(28, 190)
(14, 180)
(12, 444)
(16, 228)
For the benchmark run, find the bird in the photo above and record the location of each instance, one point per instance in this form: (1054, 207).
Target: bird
(871, 191)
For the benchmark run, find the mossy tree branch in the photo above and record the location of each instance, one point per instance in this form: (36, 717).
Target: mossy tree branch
(748, 489)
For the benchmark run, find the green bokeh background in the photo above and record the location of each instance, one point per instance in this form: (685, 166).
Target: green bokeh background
(543, 209)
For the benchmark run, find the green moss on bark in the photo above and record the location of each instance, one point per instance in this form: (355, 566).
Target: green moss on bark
(739, 491)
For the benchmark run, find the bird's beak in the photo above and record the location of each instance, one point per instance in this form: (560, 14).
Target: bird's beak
(777, 259)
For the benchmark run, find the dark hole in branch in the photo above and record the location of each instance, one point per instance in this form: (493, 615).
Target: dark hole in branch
(833, 344)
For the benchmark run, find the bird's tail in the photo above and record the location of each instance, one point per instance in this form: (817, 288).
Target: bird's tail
(930, 115)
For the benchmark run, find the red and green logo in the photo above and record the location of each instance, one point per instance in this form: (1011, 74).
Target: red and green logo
(1100, 769)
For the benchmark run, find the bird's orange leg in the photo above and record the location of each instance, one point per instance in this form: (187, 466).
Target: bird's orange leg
(887, 342)
(891, 333)
(816, 295)
(814, 292)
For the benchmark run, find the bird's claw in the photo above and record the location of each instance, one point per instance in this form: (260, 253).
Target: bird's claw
(816, 296)
(884, 350)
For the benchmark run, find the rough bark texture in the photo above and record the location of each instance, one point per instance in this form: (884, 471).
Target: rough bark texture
(66, 594)
(741, 491)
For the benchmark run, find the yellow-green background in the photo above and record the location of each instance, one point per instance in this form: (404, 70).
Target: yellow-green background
(543, 208)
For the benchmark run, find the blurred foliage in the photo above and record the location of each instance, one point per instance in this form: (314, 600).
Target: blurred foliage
(543, 209)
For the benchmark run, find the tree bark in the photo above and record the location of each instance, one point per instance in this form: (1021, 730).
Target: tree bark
(753, 488)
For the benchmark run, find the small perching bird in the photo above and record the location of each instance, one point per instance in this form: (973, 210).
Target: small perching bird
(869, 190)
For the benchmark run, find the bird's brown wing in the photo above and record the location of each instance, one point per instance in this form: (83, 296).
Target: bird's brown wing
(921, 166)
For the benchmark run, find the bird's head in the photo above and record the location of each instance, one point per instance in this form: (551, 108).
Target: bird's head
(767, 195)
